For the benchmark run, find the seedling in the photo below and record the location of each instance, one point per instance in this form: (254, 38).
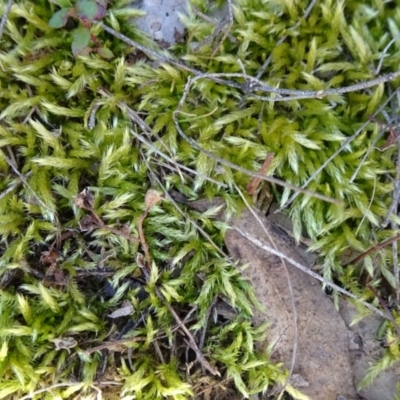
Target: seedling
(86, 12)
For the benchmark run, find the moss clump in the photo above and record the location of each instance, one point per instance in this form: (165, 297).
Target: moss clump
(69, 124)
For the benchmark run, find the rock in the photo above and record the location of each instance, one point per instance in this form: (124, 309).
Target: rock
(322, 357)
(366, 349)
(161, 21)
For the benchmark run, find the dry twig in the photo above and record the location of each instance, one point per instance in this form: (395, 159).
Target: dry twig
(308, 271)
(290, 287)
(342, 147)
(5, 16)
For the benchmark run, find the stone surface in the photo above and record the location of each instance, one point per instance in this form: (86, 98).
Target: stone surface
(161, 21)
(322, 357)
(366, 349)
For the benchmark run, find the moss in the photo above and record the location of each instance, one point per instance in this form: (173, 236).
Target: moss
(60, 134)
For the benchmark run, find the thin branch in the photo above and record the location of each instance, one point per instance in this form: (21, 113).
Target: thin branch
(378, 68)
(207, 318)
(146, 50)
(342, 147)
(373, 249)
(114, 343)
(192, 171)
(170, 198)
(395, 255)
(10, 162)
(5, 17)
(253, 184)
(66, 384)
(142, 238)
(232, 165)
(217, 30)
(13, 186)
(253, 84)
(308, 271)
(396, 190)
(386, 308)
(290, 287)
(192, 342)
(226, 30)
(282, 39)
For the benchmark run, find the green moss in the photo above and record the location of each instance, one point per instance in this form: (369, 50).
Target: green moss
(61, 132)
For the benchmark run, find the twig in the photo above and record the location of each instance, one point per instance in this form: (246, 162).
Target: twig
(207, 318)
(5, 17)
(113, 343)
(158, 351)
(253, 84)
(145, 49)
(204, 363)
(175, 204)
(84, 201)
(367, 153)
(373, 249)
(378, 68)
(137, 119)
(218, 28)
(290, 287)
(234, 166)
(386, 308)
(66, 384)
(142, 239)
(10, 162)
(192, 342)
(308, 271)
(396, 191)
(227, 30)
(342, 147)
(368, 208)
(192, 171)
(395, 255)
(282, 39)
(181, 325)
(13, 186)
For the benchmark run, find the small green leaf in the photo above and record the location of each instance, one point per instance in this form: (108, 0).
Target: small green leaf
(64, 3)
(59, 19)
(81, 39)
(105, 53)
(90, 10)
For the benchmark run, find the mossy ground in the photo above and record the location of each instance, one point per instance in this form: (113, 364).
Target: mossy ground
(65, 128)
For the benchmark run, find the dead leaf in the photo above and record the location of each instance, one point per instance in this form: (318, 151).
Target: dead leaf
(391, 139)
(49, 257)
(252, 186)
(151, 199)
(322, 357)
(85, 199)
